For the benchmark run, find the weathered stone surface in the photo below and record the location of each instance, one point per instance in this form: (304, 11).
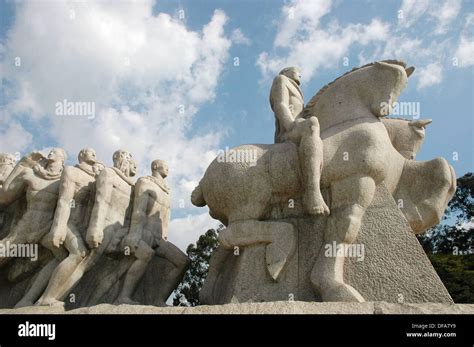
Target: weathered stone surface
(394, 269)
(279, 307)
(100, 238)
(334, 150)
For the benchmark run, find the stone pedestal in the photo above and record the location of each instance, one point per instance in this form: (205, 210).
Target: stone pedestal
(394, 268)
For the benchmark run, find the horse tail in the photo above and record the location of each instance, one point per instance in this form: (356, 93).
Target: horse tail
(197, 198)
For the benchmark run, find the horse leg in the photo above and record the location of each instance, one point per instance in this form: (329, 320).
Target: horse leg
(278, 236)
(350, 199)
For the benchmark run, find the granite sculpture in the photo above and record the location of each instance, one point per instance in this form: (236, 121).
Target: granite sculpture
(79, 217)
(273, 248)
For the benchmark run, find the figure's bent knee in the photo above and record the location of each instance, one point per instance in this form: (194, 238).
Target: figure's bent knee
(311, 126)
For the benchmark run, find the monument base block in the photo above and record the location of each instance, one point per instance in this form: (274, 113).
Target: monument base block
(387, 264)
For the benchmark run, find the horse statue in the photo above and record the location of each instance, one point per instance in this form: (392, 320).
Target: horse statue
(359, 154)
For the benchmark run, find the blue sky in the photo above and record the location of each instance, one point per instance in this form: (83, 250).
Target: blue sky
(165, 84)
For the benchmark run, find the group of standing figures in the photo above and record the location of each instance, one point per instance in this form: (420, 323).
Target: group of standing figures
(82, 214)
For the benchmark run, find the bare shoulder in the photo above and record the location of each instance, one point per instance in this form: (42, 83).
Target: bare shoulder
(279, 79)
(69, 171)
(107, 172)
(143, 183)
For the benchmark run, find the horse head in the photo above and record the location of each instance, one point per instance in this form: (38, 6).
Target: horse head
(362, 92)
(406, 135)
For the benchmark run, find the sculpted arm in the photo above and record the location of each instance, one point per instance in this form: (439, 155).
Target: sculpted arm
(281, 103)
(63, 208)
(104, 186)
(139, 212)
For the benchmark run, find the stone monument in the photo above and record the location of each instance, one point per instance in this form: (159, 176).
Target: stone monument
(100, 238)
(282, 242)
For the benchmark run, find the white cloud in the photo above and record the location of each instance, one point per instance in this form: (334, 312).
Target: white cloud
(445, 14)
(306, 45)
(13, 137)
(298, 17)
(186, 230)
(465, 52)
(239, 38)
(429, 75)
(423, 50)
(147, 75)
(411, 10)
(442, 12)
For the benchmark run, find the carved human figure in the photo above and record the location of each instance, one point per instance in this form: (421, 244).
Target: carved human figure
(108, 222)
(38, 178)
(7, 163)
(286, 100)
(76, 196)
(148, 232)
(349, 111)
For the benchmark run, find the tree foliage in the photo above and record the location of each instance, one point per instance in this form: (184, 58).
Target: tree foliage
(449, 245)
(455, 234)
(187, 293)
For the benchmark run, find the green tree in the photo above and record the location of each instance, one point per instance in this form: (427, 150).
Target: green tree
(187, 293)
(449, 245)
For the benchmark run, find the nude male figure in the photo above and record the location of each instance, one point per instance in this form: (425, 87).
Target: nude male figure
(7, 163)
(76, 197)
(286, 101)
(38, 178)
(148, 233)
(109, 221)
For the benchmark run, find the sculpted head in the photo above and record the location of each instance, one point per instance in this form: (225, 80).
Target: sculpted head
(383, 84)
(417, 137)
(87, 155)
(133, 168)
(7, 163)
(57, 155)
(159, 167)
(406, 135)
(122, 161)
(292, 73)
(7, 159)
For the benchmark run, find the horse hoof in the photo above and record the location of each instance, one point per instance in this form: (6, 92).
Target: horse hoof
(322, 210)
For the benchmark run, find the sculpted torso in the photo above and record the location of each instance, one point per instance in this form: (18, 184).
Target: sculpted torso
(119, 200)
(157, 206)
(41, 194)
(80, 186)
